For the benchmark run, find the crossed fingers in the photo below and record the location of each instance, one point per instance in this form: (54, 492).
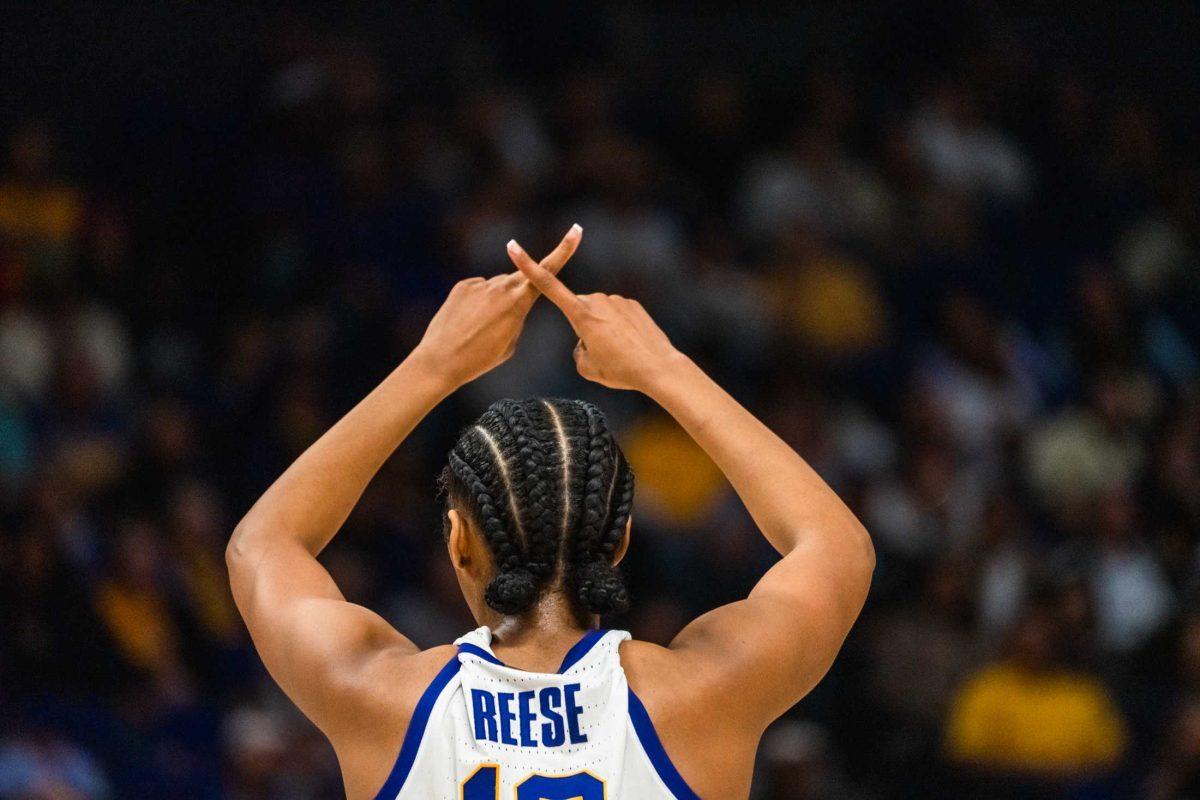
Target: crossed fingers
(551, 264)
(542, 278)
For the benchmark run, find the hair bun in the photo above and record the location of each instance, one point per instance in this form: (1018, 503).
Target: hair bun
(512, 592)
(601, 588)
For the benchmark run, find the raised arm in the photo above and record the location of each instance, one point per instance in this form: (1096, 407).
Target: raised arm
(765, 652)
(790, 628)
(318, 647)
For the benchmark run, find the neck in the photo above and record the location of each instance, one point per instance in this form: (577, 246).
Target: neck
(539, 639)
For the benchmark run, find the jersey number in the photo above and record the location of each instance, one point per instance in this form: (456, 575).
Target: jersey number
(484, 784)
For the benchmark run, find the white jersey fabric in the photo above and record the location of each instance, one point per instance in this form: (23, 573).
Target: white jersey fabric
(484, 731)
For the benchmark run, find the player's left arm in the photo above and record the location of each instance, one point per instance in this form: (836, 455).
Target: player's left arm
(320, 648)
(764, 653)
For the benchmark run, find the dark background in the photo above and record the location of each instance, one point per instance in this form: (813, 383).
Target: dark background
(948, 251)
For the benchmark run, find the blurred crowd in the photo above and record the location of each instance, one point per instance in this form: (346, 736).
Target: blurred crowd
(965, 289)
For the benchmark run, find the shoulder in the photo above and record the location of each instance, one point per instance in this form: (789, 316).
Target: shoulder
(680, 683)
(413, 673)
(655, 675)
(382, 702)
(713, 752)
(391, 682)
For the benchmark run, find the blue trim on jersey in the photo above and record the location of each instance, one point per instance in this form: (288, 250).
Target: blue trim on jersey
(573, 656)
(581, 649)
(416, 731)
(655, 751)
(476, 650)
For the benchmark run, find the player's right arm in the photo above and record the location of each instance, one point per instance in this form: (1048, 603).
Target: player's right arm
(762, 654)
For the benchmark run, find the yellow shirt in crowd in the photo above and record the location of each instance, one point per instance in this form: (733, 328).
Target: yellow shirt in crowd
(42, 212)
(674, 474)
(141, 624)
(1042, 723)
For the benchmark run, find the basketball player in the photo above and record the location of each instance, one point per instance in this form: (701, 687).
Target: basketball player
(539, 703)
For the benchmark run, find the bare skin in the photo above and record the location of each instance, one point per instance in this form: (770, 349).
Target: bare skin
(358, 679)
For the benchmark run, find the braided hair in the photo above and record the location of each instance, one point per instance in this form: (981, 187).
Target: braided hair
(547, 485)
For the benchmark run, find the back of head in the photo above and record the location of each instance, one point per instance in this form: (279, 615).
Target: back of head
(550, 492)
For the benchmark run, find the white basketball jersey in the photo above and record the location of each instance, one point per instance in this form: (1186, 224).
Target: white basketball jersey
(484, 731)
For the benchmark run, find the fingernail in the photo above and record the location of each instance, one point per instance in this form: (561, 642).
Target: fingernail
(577, 228)
(513, 247)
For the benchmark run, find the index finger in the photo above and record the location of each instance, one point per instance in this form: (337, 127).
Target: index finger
(545, 281)
(560, 255)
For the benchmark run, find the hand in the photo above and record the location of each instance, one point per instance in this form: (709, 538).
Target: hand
(477, 328)
(620, 346)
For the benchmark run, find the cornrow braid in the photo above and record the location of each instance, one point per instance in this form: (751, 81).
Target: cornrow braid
(596, 581)
(546, 484)
(534, 468)
(514, 589)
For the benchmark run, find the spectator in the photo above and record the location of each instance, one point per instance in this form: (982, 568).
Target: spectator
(1028, 716)
(136, 607)
(40, 211)
(962, 152)
(1133, 599)
(919, 654)
(796, 764)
